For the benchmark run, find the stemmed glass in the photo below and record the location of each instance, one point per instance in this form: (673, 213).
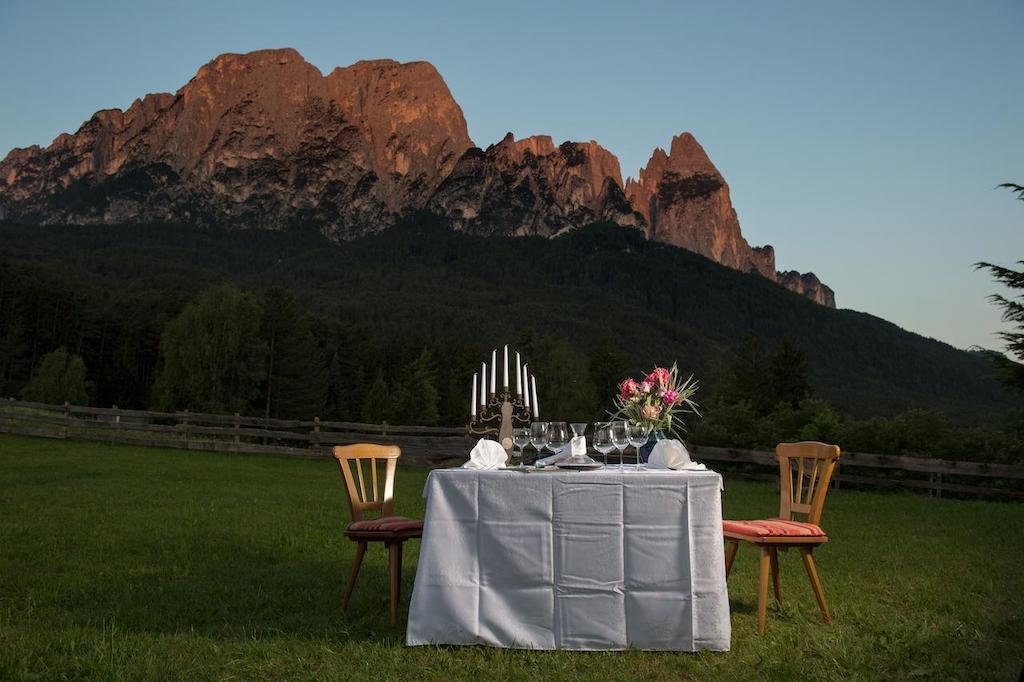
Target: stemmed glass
(638, 434)
(558, 436)
(521, 438)
(539, 436)
(620, 437)
(603, 439)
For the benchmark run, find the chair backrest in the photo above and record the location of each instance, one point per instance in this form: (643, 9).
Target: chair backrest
(805, 470)
(351, 459)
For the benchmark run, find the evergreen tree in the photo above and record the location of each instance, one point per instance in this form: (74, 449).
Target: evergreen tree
(749, 378)
(376, 402)
(1012, 373)
(213, 356)
(296, 384)
(60, 378)
(788, 380)
(414, 397)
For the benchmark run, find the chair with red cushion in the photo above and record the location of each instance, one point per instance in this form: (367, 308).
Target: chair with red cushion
(804, 473)
(387, 528)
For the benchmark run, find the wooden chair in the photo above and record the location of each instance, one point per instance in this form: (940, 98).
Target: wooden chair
(387, 528)
(804, 471)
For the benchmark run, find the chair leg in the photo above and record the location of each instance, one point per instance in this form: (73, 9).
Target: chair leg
(356, 564)
(819, 593)
(775, 576)
(395, 570)
(762, 592)
(730, 555)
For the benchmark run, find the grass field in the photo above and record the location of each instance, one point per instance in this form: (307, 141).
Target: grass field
(125, 563)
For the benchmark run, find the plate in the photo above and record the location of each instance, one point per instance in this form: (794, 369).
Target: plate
(580, 466)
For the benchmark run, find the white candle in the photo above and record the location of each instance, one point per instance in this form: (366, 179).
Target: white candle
(483, 383)
(536, 408)
(526, 386)
(519, 376)
(494, 372)
(472, 403)
(504, 371)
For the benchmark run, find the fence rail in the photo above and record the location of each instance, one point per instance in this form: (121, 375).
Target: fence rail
(433, 446)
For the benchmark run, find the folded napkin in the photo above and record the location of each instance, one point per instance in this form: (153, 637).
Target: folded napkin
(579, 446)
(563, 453)
(486, 454)
(672, 454)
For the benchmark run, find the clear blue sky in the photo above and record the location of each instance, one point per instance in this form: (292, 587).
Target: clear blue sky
(862, 140)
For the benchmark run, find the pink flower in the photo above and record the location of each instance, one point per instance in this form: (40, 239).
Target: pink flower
(670, 397)
(650, 412)
(627, 389)
(659, 377)
(646, 387)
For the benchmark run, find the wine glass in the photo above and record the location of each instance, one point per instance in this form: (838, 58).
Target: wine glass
(539, 436)
(603, 439)
(620, 436)
(558, 436)
(579, 428)
(521, 438)
(638, 434)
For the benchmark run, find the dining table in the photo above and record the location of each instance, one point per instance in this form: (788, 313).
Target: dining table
(608, 559)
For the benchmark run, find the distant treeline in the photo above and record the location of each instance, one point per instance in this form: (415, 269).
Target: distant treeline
(392, 328)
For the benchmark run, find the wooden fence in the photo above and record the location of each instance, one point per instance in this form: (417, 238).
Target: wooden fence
(436, 446)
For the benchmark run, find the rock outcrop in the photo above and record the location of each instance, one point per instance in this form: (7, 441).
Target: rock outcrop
(532, 187)
(264, 140)
(685, 201)
(808, 284)
(254, 140)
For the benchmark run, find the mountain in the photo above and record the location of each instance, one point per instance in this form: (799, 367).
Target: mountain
(255, 140)
(265, 140)
(578, 300)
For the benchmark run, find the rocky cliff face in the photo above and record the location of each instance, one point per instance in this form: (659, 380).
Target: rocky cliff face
(255, 140)
(808, 284)
(264, 140)
(532, 187)
(685, 201)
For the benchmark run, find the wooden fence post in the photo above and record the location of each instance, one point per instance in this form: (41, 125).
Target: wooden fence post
(835, 476)
(316, 431)
(938, 486)
(67, 417)
(117, 420)
(184, 422)
(238, 426)
(384, 428)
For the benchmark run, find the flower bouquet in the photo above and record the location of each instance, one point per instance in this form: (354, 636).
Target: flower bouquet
(657, 401)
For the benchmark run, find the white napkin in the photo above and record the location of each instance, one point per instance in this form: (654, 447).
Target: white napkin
(672, 454)
(579, 446)
(486, 454)
(563, 453)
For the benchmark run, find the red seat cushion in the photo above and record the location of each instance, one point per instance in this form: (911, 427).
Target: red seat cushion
(386, 524)
(773, 528)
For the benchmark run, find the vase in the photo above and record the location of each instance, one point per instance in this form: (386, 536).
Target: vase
(652, 440)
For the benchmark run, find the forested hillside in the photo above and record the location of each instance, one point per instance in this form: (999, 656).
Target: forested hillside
(404, 318)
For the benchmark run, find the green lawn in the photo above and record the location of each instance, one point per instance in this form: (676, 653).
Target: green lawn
(124, 562)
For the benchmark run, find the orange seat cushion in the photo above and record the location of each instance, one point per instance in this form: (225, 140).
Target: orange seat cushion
(773, 528)
(386, 524)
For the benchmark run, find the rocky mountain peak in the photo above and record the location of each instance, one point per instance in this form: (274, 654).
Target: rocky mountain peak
(265, 140)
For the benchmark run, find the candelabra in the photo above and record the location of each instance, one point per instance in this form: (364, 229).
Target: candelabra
(498, 416)
(498, 412)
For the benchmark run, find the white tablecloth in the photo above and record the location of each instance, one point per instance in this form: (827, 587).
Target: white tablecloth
(607, 559)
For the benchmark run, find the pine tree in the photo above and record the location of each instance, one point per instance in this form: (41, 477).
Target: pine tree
(788, 375)
(296, 384)
(376, 401)
(1012, 373)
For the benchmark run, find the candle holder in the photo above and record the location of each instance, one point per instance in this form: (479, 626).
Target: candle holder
(498, 416)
